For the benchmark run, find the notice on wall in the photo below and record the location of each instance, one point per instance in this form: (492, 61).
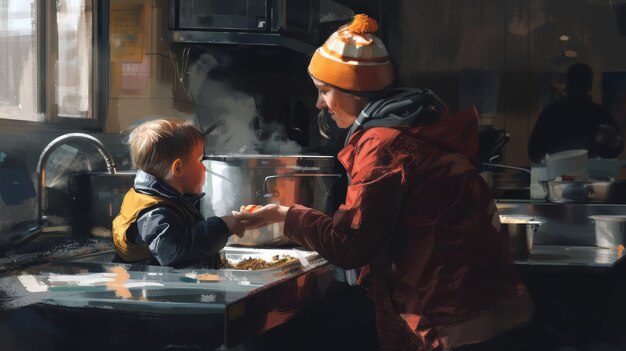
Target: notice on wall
(126, 36)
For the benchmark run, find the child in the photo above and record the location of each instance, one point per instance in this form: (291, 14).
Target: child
(159, 222)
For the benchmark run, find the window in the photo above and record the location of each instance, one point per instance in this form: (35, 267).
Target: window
(18, 60)
(50, 65)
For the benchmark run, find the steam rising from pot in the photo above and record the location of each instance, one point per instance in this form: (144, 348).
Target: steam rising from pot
(231, 114)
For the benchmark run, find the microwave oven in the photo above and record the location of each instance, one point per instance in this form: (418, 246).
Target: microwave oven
(249, 15)
(294, 24)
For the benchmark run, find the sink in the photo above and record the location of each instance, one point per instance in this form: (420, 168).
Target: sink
(96, 200)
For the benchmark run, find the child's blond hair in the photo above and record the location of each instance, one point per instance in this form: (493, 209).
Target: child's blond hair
(155, 144)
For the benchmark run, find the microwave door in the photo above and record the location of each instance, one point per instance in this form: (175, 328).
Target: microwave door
(223, 15)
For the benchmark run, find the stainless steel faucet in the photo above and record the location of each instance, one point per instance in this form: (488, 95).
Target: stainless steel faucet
(27, 231)
(43, 159)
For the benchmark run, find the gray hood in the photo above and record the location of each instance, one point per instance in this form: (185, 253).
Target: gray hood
(400, 107)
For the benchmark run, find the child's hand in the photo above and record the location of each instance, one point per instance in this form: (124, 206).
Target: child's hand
(260, 217)
(234, 224)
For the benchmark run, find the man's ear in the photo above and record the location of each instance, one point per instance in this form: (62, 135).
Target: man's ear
(177, 167)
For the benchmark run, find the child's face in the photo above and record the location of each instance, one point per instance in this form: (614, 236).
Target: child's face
(193, 171)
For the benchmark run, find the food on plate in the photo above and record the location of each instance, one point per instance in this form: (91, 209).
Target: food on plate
(254, 264)
(251, 264)
(224, 263)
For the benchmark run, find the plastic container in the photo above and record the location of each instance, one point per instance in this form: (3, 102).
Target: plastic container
(600, 168)
(538, 176)
(573, 163)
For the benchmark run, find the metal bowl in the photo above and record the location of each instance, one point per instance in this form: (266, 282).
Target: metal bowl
(587, 192)
(520, 237)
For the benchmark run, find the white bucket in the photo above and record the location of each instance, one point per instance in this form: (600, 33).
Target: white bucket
(609, 230)
(573, 163)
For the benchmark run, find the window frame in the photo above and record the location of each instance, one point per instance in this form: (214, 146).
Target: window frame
(47, 55)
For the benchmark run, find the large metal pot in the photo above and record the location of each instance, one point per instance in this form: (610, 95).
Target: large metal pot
(235, 181)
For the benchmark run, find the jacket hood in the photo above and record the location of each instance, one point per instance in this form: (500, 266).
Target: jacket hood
(427, 117)
(456, 132)
(147, 183)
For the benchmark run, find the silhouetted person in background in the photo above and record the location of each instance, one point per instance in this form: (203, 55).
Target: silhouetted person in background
(576, 122)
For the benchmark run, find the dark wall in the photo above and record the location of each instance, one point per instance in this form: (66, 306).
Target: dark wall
(507, 57)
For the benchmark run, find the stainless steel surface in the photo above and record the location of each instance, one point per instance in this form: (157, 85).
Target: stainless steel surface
(235, 181)
(561, 224)
(571, 256)
(242, 304)
(21, 234)
(271, 193)
(587, 192)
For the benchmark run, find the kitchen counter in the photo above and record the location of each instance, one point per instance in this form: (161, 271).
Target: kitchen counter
(225, 307)
(567, 224)
(571, 257)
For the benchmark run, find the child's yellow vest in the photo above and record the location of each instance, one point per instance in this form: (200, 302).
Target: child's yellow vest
(132, 205)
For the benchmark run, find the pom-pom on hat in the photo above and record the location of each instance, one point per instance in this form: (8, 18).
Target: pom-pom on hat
(353, 58)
